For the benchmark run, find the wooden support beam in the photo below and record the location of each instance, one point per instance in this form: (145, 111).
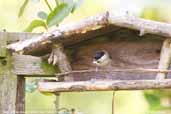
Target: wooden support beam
(58, 57)
(20, 97)
(103, 85)
(8, 82)
(165, 59)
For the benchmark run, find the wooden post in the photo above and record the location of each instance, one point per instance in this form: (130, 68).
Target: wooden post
(165, 58)
(58, 57)
(20, 97)
(8, 80)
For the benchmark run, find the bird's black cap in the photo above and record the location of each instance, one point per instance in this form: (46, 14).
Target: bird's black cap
(98, 55)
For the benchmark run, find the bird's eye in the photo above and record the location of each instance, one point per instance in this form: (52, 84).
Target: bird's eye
(98, 61)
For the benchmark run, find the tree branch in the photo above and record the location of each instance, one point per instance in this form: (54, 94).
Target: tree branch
(105, 85)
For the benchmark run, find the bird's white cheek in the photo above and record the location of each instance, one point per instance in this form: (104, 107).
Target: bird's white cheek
(94, 62)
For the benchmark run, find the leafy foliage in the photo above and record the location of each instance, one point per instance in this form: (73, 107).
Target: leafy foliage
(34, 24)
(62, 9)
(58, 14)
(154, 99)
(30, 87)
(22, 8)
(42, 15)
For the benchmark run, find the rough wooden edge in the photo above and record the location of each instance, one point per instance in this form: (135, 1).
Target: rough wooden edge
(103, 85)
(12, 37)
(143, 25)
(91, 24)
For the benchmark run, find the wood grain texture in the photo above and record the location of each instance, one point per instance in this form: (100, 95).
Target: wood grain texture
(8, 84)
(12, 37)
(103, 85)
(127, 49)
(20, 96)
(25, 65)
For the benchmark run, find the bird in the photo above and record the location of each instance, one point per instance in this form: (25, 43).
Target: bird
(102, 60)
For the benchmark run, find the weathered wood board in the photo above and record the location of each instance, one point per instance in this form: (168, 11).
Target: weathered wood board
(26, 65)
(127, 48)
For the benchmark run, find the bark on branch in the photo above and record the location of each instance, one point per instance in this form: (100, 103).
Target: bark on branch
(103, 85)
(61, 34)
(89, 28)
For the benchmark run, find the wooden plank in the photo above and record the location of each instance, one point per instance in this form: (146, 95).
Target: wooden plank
(20, 97)
(103, 85)
(15, 36)
(26, 65)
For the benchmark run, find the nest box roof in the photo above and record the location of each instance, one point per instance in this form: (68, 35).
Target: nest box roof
(91, 27)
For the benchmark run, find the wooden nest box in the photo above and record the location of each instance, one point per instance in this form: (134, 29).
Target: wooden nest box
(140, 50)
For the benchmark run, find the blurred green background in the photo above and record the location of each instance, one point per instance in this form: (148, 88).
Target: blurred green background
(134, 102)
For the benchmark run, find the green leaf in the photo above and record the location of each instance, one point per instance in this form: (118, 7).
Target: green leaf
(42, 15)
(77, 4)
(34, 24)
(58, 14)
(22, 8)
(47, 93)
(35, 1)
(30, 87)
(153, 100)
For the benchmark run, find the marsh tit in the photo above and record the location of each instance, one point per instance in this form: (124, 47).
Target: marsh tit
(102, 58)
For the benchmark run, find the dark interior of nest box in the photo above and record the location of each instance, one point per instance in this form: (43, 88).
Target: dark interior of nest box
(127, 49)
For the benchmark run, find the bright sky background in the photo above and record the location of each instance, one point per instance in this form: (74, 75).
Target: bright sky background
(9, 10)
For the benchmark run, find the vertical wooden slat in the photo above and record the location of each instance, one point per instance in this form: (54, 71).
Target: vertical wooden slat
(20, 97)
(8, 80)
